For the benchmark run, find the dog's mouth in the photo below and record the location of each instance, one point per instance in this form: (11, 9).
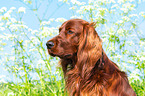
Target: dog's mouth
(61, 55)
(67, 56)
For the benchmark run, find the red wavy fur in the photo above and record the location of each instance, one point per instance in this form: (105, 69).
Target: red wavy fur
(87, 69)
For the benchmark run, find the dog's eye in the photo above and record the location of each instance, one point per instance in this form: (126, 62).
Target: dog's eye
(70, 32)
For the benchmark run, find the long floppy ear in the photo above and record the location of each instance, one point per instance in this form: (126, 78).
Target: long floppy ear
(90, 48)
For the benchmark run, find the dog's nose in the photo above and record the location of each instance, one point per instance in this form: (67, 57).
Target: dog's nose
(49, 44)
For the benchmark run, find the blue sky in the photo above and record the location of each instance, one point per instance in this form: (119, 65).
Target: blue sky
(30, 19)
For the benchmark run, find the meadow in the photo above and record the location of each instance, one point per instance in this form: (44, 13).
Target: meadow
(26, 69)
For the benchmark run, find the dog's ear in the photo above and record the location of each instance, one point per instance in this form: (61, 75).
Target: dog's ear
(90, 46)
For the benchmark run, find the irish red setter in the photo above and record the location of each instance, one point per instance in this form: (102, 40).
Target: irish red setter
(87, 69)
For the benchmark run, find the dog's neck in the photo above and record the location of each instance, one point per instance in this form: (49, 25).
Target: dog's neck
(102, 64)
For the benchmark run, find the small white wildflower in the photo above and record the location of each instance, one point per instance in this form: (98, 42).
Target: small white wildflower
(8, 23)
(131, 0)
(1, 18)
(22, 9)
(77, 2)
(32, 49)
(1, 24)
(91, 1)
(9, 12)
(142, 58)
(133, 15)
(3, 9)
(1, 49)
(13, 20)
(22, 73)
(12, 8)
(61, 20)
(120, 1)
(73, 8)
(34, 31)
(75, 16)
(134, 74)
(112, 1)
(120, 32)
(12, 58)
(34, 40)
(13, 27)
(29, 29)
(51, 19)
(7, 15)
(2, 76)
(2, 81)
(2, 28)
(24, 26)
(44, 23)
(142, 44)
(40, 61)
(125, 18)
(25, 0)
(115, 6)
(11, 94)
(132, 62)
(20, 68)
(125, 10)
(141, 13)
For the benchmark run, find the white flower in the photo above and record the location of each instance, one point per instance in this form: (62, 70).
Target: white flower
(51, 19)
(29, 29)
(8, 23)
(125, 18)
(77, 2)
(61, 20)
(34, 31)
(2, 76)
(142, 58)
(22, 9)
(120, 32)
(22, 73)
(44, 23)
(2, 28)
(9, 12)
(76, 16)
(141, 13)
(2, 81)
(13, 27)
(7, 15)
(11, 94)
(73, 8)
(1, 24)
(12, 8)
(133, 15)
(1, 49)
(112, 1)
(120, 21)
(13, 20)
(3, 9)
(134, 74)
(12, 58)
(91, 1)
(120, 1)
(115, 6)
(1, 18)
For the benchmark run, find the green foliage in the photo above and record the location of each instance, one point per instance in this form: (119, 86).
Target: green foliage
(24, 55)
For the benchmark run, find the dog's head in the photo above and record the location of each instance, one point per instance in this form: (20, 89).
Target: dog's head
(76, 37)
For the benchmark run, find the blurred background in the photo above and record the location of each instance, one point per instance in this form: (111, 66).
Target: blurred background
(26, 69)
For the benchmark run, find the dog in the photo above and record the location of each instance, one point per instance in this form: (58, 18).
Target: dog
(87, 69)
